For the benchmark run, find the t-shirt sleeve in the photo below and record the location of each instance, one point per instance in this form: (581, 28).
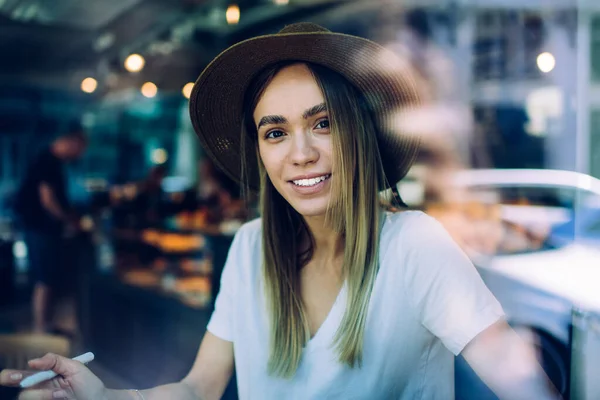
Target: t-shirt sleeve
(444, 287)
(221, 320)
(49, 171)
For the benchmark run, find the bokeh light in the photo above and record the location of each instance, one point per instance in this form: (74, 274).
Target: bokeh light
(187, 89)
(134, 63)
(159, 156)
(149, 89)
(233, 14)
(546, 62)
(89, 85)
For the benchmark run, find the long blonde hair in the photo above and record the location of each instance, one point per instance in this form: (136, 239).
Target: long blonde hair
(355, 213)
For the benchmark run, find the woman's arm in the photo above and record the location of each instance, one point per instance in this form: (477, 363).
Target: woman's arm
(171, 391)
(507, 365)
(207, 379)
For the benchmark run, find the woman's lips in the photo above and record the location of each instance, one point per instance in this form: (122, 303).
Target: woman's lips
(312, 189)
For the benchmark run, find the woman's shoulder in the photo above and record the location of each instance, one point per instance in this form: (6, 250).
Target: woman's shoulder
(252, 227)
(249, 233)
(412, 230)
(422, 245)
(406, 222)
(243, 257)
(247, 240)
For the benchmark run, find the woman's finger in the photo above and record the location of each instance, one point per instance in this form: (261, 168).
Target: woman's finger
(61, 365)
(11, 377)
(44, 394)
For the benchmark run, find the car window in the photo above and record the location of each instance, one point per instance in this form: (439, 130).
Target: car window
(505, 220)
(536, 196)
(594, 227)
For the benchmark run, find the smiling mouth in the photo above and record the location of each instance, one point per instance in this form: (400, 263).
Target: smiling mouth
(312, 181)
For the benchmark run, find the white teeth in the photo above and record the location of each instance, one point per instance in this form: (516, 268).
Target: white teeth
(311, 181)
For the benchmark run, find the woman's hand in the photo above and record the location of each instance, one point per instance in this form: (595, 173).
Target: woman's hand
(74, 380)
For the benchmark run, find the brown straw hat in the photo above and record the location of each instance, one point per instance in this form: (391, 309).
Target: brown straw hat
(387, 83)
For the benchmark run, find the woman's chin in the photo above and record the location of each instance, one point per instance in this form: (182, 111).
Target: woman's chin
(310, 208)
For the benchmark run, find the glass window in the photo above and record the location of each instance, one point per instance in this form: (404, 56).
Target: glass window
(595, 140)
(595, 48)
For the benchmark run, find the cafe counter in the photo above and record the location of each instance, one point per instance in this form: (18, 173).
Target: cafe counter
(144, 321)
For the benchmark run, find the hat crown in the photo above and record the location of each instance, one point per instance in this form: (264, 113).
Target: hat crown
(304, 27)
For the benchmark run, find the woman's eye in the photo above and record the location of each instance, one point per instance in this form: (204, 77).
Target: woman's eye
(274, 135)
(323, 124)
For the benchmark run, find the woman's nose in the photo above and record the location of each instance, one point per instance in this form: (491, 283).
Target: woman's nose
(302, 150)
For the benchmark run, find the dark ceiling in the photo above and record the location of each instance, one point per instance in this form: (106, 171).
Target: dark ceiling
(57, 43)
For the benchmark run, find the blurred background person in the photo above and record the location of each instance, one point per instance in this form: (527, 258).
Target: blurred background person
(45, 213)
(219, 193)
(444, 120)
(149, 200)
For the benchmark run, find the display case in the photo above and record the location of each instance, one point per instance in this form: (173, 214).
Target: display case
(151, 294)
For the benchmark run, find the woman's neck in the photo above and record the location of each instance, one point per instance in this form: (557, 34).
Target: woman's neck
(328, 244)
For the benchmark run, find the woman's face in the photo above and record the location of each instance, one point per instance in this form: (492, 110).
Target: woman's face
(294, 141)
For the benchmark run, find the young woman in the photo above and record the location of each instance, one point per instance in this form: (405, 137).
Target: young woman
(327, 296)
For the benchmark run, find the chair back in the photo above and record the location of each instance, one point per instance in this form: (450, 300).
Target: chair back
(17, 349)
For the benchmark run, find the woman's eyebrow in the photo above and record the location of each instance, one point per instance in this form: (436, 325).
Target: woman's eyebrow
(272, 119)
(314, 110)
(280, 119)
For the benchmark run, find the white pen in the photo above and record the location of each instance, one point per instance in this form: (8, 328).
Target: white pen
(47, 375)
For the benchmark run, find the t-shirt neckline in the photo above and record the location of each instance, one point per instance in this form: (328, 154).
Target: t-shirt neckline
(332, 322)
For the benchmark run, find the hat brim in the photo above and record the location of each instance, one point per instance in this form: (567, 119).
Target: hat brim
(216, 101)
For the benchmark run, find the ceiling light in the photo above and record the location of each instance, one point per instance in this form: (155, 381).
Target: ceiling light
(134, 63)
(233, 14)
(187, 89)
(149, 89)
(89, 85)
(546, 62)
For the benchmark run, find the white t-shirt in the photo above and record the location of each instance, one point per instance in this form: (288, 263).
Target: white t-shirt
(428, 302)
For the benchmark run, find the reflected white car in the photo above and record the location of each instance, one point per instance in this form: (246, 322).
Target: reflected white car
(534, 236)
(564, 207)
